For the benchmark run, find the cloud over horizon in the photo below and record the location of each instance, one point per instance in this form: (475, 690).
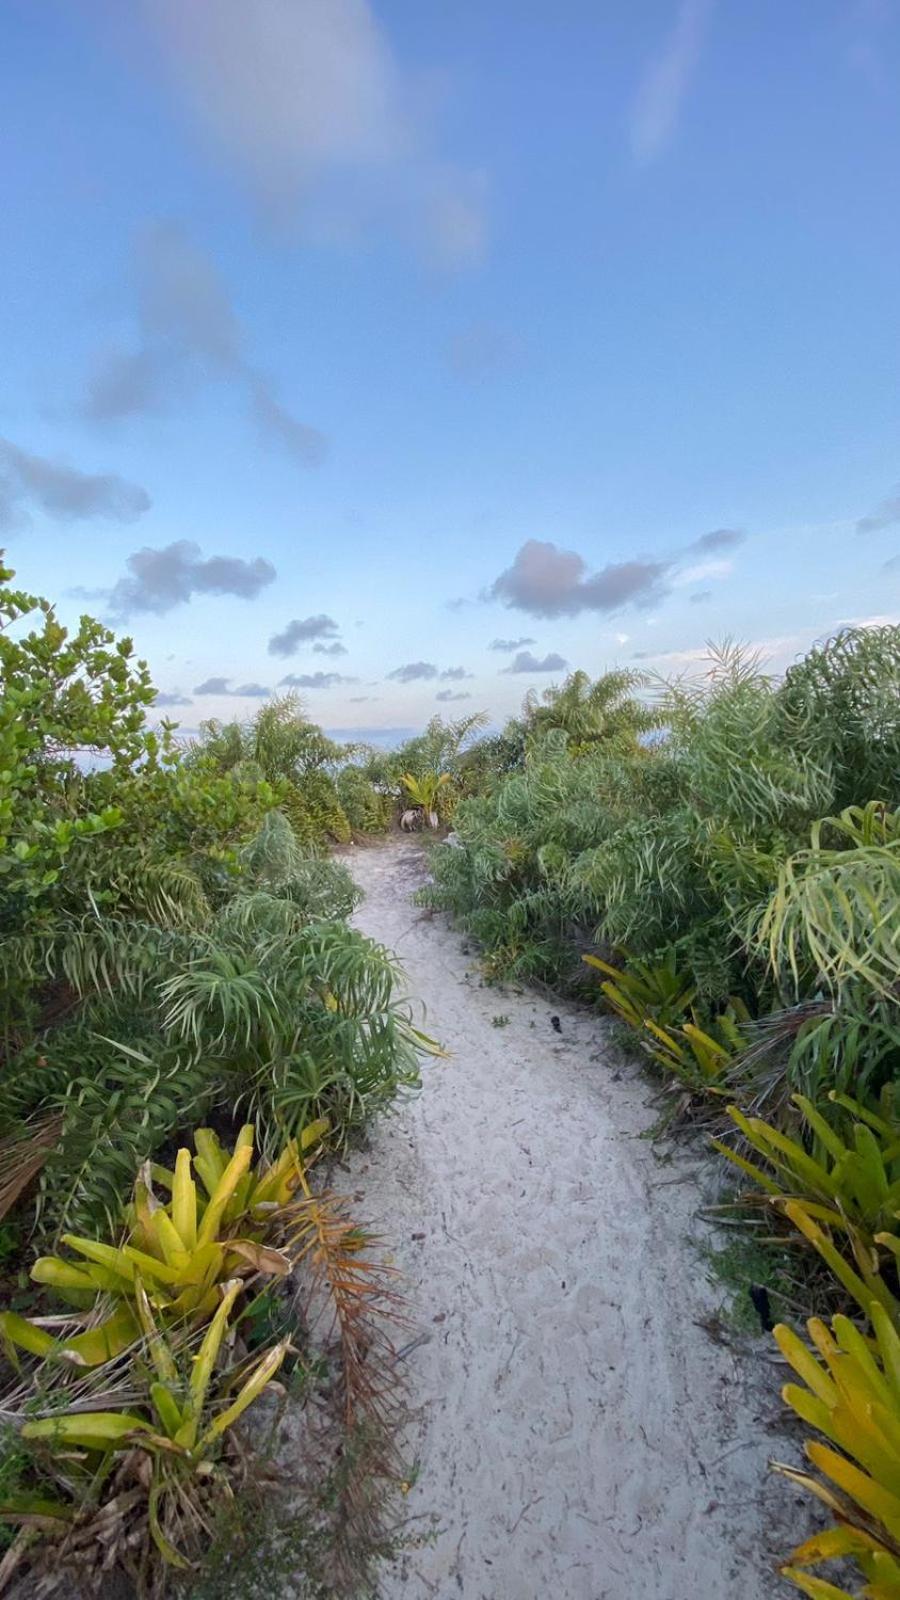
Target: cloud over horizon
(247, 691)
(546, 581)
(300, 631)
(525, 661)
(31, 481)
(509, 645)
(313, 680)
(446, 695)
(413, 671)
(173, 697)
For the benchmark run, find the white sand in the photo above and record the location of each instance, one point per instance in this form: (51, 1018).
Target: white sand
(580, 1437)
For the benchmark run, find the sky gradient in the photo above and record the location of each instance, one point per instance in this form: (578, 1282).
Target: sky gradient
(408, 354)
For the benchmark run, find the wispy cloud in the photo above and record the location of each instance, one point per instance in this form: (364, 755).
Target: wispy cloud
(885, 515)
(509, 645)
(446, 695)
(718, 539)
(483, 351)
(701, 571)
(666, 80)
(306, 103)
(187, 334)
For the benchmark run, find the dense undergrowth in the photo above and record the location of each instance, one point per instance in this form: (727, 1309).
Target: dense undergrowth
(720, 858)
(175, 953)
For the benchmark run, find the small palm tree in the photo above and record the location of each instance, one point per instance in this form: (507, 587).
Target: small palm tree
(423, 791)
(604, 710)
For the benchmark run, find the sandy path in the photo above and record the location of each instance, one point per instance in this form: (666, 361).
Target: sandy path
(580, 1437)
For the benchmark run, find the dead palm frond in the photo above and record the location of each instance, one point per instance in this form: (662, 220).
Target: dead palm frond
(23, 1155)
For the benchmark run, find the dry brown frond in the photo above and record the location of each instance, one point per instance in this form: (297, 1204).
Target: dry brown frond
(358, 1298)
(22, 1156)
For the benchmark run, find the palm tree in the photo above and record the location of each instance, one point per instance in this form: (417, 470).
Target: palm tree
(589, 713)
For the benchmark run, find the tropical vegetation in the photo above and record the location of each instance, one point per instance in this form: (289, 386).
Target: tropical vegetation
(188, 1017)
(177, 966)
(717, 861)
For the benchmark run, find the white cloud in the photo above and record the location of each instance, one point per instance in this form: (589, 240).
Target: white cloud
(666, 80)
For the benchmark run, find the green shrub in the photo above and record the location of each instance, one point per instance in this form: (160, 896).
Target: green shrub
(368, 808)
(169, 948)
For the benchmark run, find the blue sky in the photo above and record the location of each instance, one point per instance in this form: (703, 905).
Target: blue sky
(427, 327)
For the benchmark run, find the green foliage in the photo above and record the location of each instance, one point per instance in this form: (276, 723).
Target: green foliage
(63, 696)
(440, 759)
(368, 808)
(850, 1393)
(124, 1467)
(639, 992)
(292, 755)
(273, 1003)
(600, 712)
(170, 948)
(692, 852)
(425, 792)
(844, 1168)
(841, 703)
(314, 810)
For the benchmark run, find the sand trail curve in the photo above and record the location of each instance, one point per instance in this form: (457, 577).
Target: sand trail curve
(581, 1435)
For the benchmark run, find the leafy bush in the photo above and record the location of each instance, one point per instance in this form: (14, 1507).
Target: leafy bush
(368, 808)
(272, 1003)
(169, 948)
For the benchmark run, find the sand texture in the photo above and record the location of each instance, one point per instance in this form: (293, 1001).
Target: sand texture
(580, 1433)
